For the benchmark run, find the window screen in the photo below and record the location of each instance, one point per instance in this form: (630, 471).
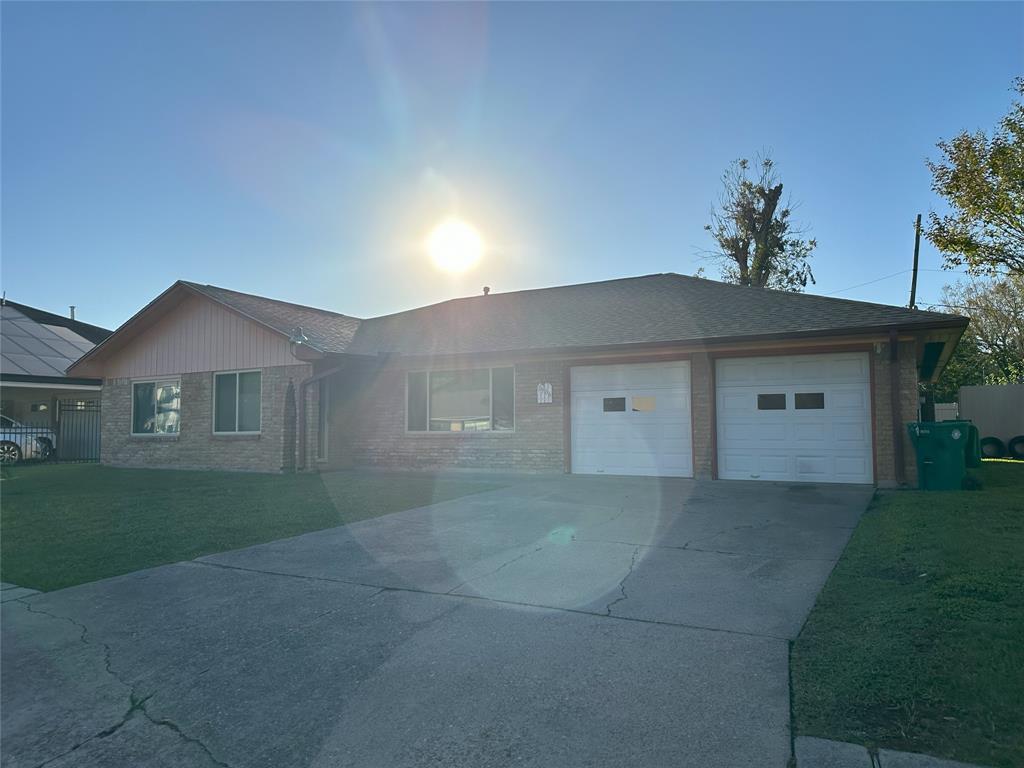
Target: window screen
(236, 402)
(224, 402)
(143, 422)
(771, 402)
(614, 404)
(249, 402)
(809, 401)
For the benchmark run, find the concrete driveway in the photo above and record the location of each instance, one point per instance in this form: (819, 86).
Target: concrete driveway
(563, 621)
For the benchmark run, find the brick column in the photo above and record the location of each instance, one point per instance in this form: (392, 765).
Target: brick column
(702, 387)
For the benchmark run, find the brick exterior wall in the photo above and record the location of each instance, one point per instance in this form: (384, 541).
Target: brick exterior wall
(367, 422)
(195, 446)
(885, 451)
(368, 426)
(366, 414)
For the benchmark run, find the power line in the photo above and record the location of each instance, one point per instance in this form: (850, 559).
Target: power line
(895, 274)
(869, 282)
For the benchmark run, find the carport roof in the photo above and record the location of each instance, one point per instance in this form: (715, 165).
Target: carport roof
(639, 310)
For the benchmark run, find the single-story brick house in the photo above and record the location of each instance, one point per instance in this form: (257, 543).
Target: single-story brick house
(658, 375)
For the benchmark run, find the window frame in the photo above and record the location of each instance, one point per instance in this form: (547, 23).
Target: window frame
(213, 401)
(155, 382)
(460, 433)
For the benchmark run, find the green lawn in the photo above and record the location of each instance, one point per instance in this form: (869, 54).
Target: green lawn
(65, 525)
(917, 641)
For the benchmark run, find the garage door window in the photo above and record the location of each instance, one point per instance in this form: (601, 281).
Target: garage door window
(614, 404)
(643, 404)
(771, 402)
(809, 401)
(480, 400)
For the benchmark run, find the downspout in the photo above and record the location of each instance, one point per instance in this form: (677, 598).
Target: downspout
(894, 398)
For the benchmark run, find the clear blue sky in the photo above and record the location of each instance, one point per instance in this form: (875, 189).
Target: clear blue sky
(302, 151)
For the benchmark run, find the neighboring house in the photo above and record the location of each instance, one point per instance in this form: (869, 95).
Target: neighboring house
(36, 348)
(657, 375)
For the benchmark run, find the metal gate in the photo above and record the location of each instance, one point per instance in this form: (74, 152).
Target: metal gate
(78, 430)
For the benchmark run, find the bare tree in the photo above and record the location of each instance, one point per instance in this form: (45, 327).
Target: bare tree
(757, 243)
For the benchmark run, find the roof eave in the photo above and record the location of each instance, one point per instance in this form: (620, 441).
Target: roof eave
(706, 341)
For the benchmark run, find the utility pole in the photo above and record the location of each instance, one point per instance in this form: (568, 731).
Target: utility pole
(917, 251)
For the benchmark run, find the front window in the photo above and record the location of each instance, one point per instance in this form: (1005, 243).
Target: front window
(480, 400)
(156, 407)
(236, 402)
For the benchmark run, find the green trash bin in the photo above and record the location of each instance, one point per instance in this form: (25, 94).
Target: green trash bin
(941, 453)
(972, 456)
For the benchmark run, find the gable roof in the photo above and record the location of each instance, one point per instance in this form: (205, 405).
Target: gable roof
(327, 331)
(652, 309)
(36, 344)
(638, 310)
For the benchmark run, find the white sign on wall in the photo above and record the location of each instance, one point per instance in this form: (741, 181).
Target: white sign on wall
(544, 392)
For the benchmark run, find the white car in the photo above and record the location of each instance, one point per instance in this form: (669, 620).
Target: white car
(20, 441)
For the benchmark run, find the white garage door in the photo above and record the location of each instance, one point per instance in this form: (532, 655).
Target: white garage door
(800, 417)
(632, 419)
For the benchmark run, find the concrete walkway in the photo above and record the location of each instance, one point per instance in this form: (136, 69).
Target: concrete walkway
(565, 621)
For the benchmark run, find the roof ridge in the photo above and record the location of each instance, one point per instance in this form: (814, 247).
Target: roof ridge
(522, 291)
(859, 302)
(201, 286)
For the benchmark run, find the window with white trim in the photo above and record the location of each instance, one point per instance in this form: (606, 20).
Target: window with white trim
(476, 400)
(236, 402)
(156, 407)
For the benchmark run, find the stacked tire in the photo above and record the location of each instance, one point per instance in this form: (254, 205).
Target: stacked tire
(1015, 449)
(994, 448)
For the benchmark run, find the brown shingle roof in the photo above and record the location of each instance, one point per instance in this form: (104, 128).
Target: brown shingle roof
(653, 308)
(327, 331)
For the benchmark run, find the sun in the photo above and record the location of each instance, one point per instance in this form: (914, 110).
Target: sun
(454, 245)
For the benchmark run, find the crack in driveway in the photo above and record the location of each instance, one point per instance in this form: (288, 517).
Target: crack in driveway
(515, 559)
(136, 704)
(622, 583)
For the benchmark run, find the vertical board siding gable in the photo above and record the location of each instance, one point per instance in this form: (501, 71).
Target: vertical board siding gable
(198, 335)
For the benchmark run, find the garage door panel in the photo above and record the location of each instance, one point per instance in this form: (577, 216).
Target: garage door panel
(827, 439)
(813, 468)
(736, 402)
(734, 463)
(811, 432)
(851, 433)
(631, 376)
(809, 370)
(849, 369)
(652, 436)
(855, 400)
(770, 371)
(849, 468)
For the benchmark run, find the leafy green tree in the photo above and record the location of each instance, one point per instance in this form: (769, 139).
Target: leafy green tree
(992, 348)
(982, 179)
(757, 242)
